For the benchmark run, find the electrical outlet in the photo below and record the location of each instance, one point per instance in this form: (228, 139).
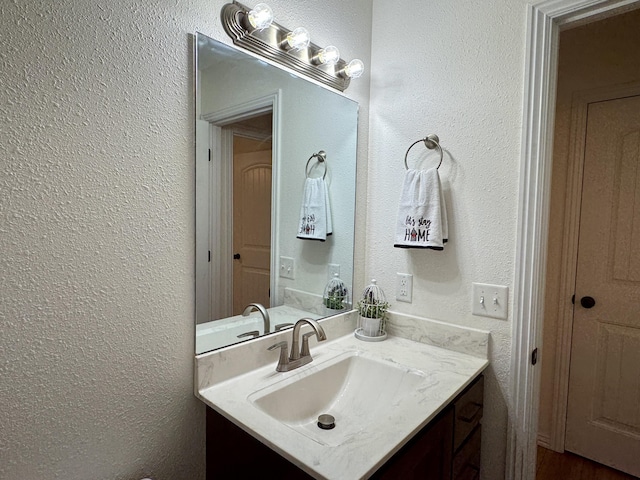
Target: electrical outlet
(404, 287)
(334, 269)
(287, 268)
(490, 300)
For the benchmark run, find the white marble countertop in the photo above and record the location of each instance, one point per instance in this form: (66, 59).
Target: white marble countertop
(445, 374)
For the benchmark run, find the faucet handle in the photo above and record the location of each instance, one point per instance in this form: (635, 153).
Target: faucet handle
(252, 333)
(304, 351)
(284, 356)
(283, 344)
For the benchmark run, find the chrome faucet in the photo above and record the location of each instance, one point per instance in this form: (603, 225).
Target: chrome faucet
(299, 356)
(263, 311)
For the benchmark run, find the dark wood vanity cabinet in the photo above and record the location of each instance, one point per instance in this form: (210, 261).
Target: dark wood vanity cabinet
(447, 448)
(428, 455)
(234, 454)
(467, 430)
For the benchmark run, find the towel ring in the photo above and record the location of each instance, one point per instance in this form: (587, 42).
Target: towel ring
(322, 157)
(431, 141)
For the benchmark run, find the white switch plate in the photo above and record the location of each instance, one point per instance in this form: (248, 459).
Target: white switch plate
(287, 268)
(333, 269)
(490, 300)
(404, 287)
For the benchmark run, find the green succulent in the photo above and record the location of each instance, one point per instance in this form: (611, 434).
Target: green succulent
(373, 310)
(335, 296)
(334, 302)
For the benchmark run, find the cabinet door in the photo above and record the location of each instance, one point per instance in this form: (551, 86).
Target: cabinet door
(427, 456)
(234, 454)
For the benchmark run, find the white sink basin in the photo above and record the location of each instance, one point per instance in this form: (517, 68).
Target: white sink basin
(358, 391)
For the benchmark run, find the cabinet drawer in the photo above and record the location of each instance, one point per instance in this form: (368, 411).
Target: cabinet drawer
(466, 463)
(468, 412)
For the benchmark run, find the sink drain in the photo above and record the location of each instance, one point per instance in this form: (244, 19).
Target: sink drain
(326, 421)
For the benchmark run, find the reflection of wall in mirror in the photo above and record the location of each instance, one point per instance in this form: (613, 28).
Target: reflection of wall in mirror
(314, 119)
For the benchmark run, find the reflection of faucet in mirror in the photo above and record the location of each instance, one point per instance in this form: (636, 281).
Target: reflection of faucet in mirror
(263, 311)
(299, 356)
(252, 334)
(281, 326)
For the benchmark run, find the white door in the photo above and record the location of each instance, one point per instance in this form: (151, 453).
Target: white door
(603, 415)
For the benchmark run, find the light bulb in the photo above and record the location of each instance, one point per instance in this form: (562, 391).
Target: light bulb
(261, 16)
(327, 56)
(354, 69)
(297, 39)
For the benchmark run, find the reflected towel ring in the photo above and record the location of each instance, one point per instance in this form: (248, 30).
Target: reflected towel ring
(431, 141)
(322, 158)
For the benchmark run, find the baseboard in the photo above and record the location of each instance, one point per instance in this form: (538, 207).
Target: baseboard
(544, 441)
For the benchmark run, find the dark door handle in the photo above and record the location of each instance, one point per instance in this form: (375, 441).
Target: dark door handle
(587, 302)
(236, 256)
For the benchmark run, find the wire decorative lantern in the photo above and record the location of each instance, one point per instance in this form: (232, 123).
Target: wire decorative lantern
(372, 314)
(336, 294)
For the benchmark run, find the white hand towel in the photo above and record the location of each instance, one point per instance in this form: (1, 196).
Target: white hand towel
(422, 214)
(315, 212)
(328, 206)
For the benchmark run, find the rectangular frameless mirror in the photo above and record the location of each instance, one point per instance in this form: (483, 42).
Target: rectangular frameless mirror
(259, 130)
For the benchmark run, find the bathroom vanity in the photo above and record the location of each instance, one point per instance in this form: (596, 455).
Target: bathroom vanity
(448, 447)
(402, 408)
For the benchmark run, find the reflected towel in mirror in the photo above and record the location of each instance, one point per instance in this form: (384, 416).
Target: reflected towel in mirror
(315, 212)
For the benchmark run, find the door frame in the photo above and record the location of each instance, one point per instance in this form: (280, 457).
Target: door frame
(544, 22)
(224, 180)
(569, 259)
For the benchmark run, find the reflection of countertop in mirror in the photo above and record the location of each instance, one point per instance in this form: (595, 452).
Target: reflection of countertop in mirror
(444, 374)
(223, 332)
(310, 302)
(288, 314)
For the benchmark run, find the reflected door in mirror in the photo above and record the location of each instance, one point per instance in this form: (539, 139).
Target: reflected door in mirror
(251, 222)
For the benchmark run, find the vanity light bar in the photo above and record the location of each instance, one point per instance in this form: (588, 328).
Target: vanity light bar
(255, 30)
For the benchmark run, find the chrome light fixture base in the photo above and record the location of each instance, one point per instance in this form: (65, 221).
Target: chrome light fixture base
(267, 43)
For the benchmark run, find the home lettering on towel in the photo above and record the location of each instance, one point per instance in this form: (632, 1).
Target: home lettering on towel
(308, 225)
(419, 234)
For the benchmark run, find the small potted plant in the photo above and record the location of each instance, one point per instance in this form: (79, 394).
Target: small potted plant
(372, 310)
(335, 294)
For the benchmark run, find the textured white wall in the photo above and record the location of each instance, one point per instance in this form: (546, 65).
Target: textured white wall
(454, 69)
(96, 231)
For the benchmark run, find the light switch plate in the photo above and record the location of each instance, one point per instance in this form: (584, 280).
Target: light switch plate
(287, 268)
(490, 300)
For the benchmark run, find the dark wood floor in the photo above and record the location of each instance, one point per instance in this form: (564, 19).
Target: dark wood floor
(567, 466)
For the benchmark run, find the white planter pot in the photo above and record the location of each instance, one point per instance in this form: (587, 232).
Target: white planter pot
(370, 326)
